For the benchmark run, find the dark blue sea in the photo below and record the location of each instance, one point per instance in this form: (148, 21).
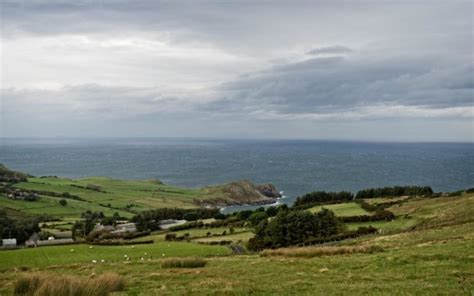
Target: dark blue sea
(295, 167)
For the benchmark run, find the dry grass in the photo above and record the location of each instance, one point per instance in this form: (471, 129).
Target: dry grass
(54, 285)
(183, 263)
(309, 252)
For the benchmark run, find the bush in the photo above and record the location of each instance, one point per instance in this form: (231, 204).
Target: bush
(49, 285)
(219, 216)
(63, 202)
(170, 236)
(183, 263)
(192, 216)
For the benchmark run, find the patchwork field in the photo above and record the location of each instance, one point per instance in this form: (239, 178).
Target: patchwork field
(125, 197)
(428, 250)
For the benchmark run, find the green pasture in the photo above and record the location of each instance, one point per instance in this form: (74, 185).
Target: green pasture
(342, 209)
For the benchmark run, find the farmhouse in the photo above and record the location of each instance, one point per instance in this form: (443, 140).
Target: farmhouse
(9, 243)
(126, 227)
(165, 224)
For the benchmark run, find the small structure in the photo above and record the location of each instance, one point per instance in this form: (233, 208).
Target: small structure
(126, 227)
(9, 243)
(32, 242)
(100, 227)
(165, 224)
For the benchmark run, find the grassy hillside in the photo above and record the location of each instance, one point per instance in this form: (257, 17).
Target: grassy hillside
(126, 197)
(428, 251)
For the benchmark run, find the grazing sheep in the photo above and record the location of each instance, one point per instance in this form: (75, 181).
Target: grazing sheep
(94, 261)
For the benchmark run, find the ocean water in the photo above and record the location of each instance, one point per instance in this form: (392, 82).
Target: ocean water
(295, 167)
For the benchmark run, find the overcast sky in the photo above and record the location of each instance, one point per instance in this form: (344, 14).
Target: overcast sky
(357, 70)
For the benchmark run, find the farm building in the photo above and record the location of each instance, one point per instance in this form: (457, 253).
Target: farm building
(9, 243)
(127, 227)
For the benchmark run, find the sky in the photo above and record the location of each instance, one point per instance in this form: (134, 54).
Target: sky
(375, 70)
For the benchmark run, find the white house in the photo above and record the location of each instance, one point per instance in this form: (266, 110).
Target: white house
(9, 243)
(126, 227)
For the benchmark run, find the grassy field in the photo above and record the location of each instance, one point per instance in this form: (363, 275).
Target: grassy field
(427, 250)
(343, 209)
(83, 254)
(193, 233)
(126, 197)
(423, 262)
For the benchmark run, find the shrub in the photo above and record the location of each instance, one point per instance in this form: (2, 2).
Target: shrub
(170, 236)
(63, 202)
(183, 263)
(192, 216)
(54, 285)
(219, 216)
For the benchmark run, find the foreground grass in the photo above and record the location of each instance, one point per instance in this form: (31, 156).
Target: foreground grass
(54, 285)
(427, 262)
(429, 251)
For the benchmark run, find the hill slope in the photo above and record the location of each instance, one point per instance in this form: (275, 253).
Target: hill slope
(431, 257)
(126, 197)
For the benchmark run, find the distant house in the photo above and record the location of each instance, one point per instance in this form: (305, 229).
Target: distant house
(165, 224)
(9, 243)
(32, 241)
(100, 227)
(126, 227)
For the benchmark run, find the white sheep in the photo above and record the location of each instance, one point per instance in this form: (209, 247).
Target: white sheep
(94, 261)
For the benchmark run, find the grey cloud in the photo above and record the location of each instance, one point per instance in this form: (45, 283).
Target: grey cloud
(331, 85)
(336, 49)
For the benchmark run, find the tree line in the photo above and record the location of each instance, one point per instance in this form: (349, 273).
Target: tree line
(322, 197)
(394, 191)
(294, 227)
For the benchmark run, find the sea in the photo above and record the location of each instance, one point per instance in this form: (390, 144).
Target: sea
(293, 166)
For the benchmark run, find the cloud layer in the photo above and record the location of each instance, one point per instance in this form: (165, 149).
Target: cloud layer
(311, 69)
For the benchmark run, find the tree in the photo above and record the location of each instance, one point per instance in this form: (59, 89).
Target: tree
(192, 216)
(272, 211)
(63, 202)
(294, 227)
(257, 217)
